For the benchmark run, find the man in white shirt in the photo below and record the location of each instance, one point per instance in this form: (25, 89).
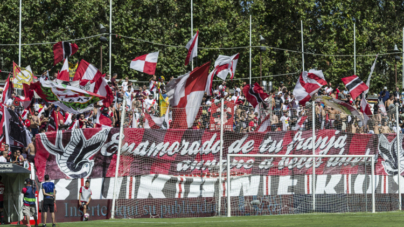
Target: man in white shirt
(108, 78)
(125, 84)
(3, 157)
(10, 101)
(149, 102)
(85, 197)
(285, 122)
(145, 90)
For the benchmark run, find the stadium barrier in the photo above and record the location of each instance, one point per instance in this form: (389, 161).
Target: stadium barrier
(182, 172)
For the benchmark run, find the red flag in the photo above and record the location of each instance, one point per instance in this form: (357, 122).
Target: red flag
(186, 94)
(255, 94)
(62, 50)
(354, 85)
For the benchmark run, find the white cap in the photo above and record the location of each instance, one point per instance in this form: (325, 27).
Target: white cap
(385, 88)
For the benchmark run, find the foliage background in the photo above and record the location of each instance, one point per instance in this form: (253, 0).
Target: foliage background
(328, 29)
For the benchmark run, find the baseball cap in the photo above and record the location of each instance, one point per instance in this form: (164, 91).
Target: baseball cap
(385, 88)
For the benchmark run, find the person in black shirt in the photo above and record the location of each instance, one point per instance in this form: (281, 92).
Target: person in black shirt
(278, 104)
(89, 123)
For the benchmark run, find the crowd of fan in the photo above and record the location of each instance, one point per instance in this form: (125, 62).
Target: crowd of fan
(286, 112)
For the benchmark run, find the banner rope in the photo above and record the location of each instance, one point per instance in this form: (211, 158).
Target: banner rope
(211, 48)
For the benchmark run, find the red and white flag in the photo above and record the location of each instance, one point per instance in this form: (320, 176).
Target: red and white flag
(101, 88)
(265, 124)
(226, 65)
(64, 72)
(354, 85)
(153, 122)
(68, 118)
(300, 122)
(223, 66)
(186, 93)
(86, 72)
(102, 119)
(146, 63)
(62, 50)
(192, 47)
(365, 108)
(308, 84)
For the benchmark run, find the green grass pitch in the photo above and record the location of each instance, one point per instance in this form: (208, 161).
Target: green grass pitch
(314, 219)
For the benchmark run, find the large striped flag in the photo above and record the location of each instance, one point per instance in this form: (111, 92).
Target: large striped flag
(354, 85)
(186, 94)
(71, 99)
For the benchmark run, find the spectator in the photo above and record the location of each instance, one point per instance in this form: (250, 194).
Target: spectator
(89, 123)
(4, 156)
(384, 94)
(285, 122)
(17, 158)
(35, 122)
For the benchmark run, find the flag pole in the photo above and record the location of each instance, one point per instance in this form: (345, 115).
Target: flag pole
(402, 50)
(110, 34)
(301, 31)
(398, 157)
(354, 37)
(250, 49)
(19, 38)
(118, 155)
(220, 158)
(192, 28)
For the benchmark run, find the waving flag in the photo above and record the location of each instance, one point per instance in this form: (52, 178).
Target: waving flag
(265, 124)
(86, 72)
(223, 66)
(27, 98)
(354, 85)
(103, 119)
(365, 108)
(64, 72)
(152, 122)
(14, 129)
(308, 84)
(226, 65)
(186, 94)
(21, 76)
(62, 50)
(192, 47)
(7, 91)
(255, 95)
(146, 63)
(71, 99)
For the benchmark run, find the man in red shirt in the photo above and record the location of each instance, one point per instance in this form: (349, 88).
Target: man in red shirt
(1, 201)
